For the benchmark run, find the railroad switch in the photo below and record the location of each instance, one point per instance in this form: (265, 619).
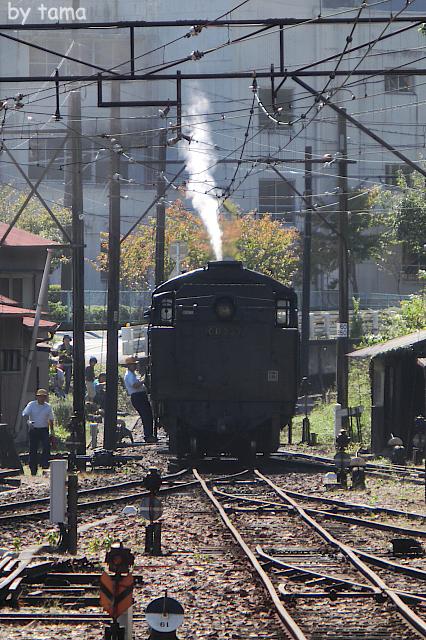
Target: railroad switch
(152, 509)
(397, 453)
(342, 459)
(407, 547)
(153, 481)
(357, 466)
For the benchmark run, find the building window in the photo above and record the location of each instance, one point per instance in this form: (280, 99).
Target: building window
(275, 197)
(41, 151)
(12, 288)
(10, 360)
(399, 83)
(393, 172)
(283, 102)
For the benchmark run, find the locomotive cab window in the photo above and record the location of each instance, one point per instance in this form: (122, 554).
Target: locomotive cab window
(283, 313)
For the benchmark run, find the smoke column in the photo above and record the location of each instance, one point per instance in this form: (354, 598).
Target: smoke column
(199, 157)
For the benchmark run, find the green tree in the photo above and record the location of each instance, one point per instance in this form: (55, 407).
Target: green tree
(406, 215)
(35, 218)
(265, 245)
(138, 250)
(368, 235)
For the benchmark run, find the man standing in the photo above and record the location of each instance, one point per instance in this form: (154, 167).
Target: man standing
(65, 352)
(40, 420)
(89, 374)
(139, 398)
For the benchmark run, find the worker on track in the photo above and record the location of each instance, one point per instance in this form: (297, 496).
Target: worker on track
(40, 420)
(139, 397)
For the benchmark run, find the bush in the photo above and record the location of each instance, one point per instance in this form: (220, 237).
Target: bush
(54, 293)
(58, 312)
(63, 410)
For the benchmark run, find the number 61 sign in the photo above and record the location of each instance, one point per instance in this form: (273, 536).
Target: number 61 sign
(164, 615)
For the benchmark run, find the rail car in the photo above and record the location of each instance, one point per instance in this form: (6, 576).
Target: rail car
(224, 360)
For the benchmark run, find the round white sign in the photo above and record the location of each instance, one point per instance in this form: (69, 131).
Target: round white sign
(164, 614)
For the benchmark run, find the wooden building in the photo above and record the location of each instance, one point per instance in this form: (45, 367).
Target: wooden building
(398, 387)
(22, 261)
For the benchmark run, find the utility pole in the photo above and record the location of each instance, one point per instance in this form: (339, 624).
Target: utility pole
(79, 385)
(161, 211)
(110, 420)
(343, 324)
(306, 286)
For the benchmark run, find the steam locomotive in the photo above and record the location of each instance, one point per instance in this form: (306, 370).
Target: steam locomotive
(224, 360)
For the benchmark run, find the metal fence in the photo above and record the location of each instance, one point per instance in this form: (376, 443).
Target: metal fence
(134, 303)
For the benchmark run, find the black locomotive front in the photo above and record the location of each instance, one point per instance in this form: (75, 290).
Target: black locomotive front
(224, 352)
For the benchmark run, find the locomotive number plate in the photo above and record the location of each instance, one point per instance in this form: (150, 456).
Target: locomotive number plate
(272, 375)
(224, 332)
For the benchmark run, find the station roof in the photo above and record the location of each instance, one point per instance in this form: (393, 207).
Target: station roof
(21, 238)
(396, 344)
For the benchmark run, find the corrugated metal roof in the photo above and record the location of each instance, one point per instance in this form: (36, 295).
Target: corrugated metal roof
(403, 342)
(20, 238)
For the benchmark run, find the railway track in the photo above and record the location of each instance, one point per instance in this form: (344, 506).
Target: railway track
(305, 572)
(413, 474)
(304, 580)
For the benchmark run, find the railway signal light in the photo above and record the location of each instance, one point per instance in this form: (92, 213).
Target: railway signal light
(119, 559)
(116, 591)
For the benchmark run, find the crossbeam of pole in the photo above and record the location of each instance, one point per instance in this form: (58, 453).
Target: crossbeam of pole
(34, 190)
(273, 22)
(362, 127)
(231, 75)
(153, 203)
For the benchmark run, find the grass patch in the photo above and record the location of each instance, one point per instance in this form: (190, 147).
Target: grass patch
(322, 415)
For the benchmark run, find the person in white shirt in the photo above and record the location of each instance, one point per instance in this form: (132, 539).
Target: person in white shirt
(40, 419)
(139, 398)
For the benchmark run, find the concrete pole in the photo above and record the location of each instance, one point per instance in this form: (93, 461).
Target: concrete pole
(41, 297)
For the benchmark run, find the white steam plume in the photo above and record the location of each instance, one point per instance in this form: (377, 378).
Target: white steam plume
(199, 156)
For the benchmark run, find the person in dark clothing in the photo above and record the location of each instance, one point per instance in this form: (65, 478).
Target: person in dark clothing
(90, 375)
(139, 398)
(65, 352)
(100, 393)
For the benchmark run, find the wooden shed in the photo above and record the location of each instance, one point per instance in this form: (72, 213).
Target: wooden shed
(398, 387)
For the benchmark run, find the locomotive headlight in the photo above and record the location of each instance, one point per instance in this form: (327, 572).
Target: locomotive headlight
(283, 313)
(224, 309)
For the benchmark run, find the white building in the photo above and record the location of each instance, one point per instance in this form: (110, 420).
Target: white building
(392, 106)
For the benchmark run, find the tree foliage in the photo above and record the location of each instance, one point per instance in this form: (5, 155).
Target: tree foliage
(35, 218)
(405, 211)
(367, 238)
(265, 245)
(262, 244)
(138, 251)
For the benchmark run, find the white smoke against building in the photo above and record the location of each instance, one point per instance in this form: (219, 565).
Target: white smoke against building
(199, 159)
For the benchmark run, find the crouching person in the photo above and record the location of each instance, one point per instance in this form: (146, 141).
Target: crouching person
(40, 420)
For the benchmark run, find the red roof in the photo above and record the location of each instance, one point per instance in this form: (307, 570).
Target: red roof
(16, 312)
(20, 238)
(6, 300)
(44, 324)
